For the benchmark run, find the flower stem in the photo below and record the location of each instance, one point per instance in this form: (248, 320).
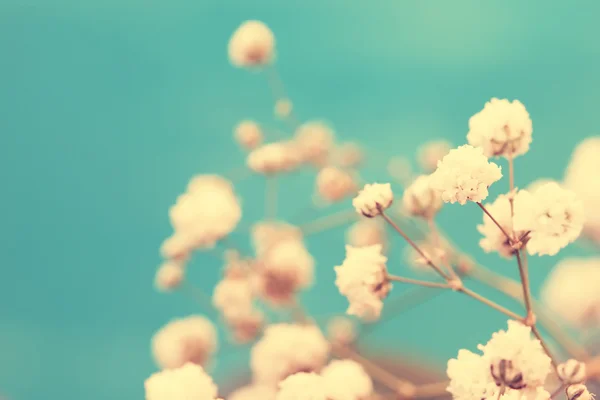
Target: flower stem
(510, 239)
(523, 273)
(418, 282)
(328, 222)
(511, 171)
(537, 334)
(438, 244)
(490, 303)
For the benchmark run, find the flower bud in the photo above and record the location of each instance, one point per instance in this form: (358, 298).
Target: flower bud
(571, 371)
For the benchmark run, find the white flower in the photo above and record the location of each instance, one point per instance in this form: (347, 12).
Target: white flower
(372, 198)
(248, 134)
(493, 237)
(577, 178)
(571, 291)
(244, 324)
(231, 295)
(502, 128)
(579, 392)
(334, 184)
(314, 141)
(251, 45)
(191, 339)
(347, 155)
(526, 363)
(464, 174)
(302, 386)
(188, 382)
(254, 392)
(420, 200)
(286, 349)
(431, 152)
(553, 215)
(266, 234)
(169, 276)
(273, 158)
(470, 377)
(346, 380)
(341, 331)
(572, 371)
(178, 247)
(362, 278)
(538, 393)
(367, 232)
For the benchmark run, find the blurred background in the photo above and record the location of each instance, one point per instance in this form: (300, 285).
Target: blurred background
(108, 107)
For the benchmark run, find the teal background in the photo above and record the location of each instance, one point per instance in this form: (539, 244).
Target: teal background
(108, 107)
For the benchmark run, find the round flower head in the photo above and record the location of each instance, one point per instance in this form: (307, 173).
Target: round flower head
(314, 141)
(347, 155)
(367, 232)
(192, 339)
(502, 128)
(493, 238)
(341, 331)
(178, 247)
(553, 215)
(245, 324)
(464, 174)
(283, 108)
(232, 295)
(286, 349)
(303, 386)
(251, 45)
(470, 377)
(431, 152)
(362, 278)
(571, 291)
(273, 158)
(572, 371)
(266, 234)
(248, 134)
(436, 250)
(169, 276)
(334, 184)
(254, 392)
(579, 392)
(577, 178)
(347, 380)
(420, 200)
(188, 382)
(373, 198)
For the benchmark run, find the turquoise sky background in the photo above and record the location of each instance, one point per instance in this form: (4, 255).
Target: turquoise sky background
(108, 107)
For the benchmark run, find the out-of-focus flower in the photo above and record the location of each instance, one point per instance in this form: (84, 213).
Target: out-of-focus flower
(538, 183)
(464, 174)
(400, 169)
(191, 339)
(178, 247)
(286, 349)
(183, 383)
(251, 45)
(169, 276)
(571, 291)
(579, 392)
(584, 160)
(367, 232)
(346, 380)
(245, 324)
(232, 294)
(436, 250)
(431, 152)
(334, 184)
(283, 108)
(362, 278)
(266, 234)
(341, 331)
(553, 215)
(248, 134)
(314, 141)
(502, 128)
(254, 392)
(372, 198)
(572, 371)
(303, 386)
(493, 238)
(347, 155)
(420, 200)
(273, 158)
(470, 377)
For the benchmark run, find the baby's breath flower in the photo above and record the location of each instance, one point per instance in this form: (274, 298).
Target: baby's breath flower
(183, 383)
(273, 158)
(334, 184)
(571, 371)
(169, 276)
(373, 198)
(314, 142)
(420, 200)
(248, 134)
(579, 392)
(346, 380)
(303, 386)
(431, 152)
(251, 45)
(367, 232)
(341, 331)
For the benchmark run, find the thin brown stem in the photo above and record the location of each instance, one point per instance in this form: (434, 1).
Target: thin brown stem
(328, 222)
(523, 273)
(490, 303)
(414, 245)
(418, 282)
(511, 172)
(510, 239)
(558, 391)
(438, 244)
(538, 335)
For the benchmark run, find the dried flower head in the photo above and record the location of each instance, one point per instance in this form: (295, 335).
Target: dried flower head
(335, 184)
(362, 278)
(251, 45)
(464, 174)
(183, 383)
(431, 152)
(373, 198)
(346, 380)
(248, 134)
(169, 276)
(502, 128)
(191, 339)
(420, 200)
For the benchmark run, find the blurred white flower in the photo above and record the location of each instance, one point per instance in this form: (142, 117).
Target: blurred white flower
(553, 215)
(178, 247)
(571, 291)
(538, 183)
(470, 377)
(464, 174)
(362, 278)
(502, 128)
(572, 371)
(303, 386)
(341, 331)
(248, 134)
(188, 382)
(314, 141)
(420, 200)
(273, 158)
(232, 295)
(347, 155)
(579, 392)
(436, 250)
(430, 153)
(493, 238)
(286, 349)
(266, 234)
(191, 339)
(367, 232)
(245, 324)
(373, 197)
(254, 392)
(346, 380)
(251, 45)
(169, 276)
(334, 184)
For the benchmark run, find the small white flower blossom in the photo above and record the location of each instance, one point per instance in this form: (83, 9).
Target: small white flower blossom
(373, 198)
(367, 232)
(502, 128)
(464, 174)
(248, 134)
(362, 278)
(572, 371)
(341, 331)
(266, 234)
(178, 247)
(493, 237)
(302, 386)
(334, 184)
(346, 380)
(470, 377)
(169, 276)
(553, 215)
(273, 158)
(579, 392)
(571, 291)
(431, 152)
(251, 45)
(184, 383)
(420, 200)
(233, 295)
(286, 349)
(314, 141)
